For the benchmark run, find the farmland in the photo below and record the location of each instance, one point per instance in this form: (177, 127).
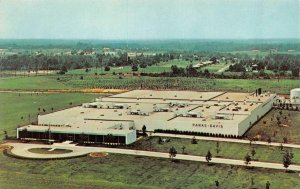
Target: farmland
(124, 171)
(282, 86)
(180, 83)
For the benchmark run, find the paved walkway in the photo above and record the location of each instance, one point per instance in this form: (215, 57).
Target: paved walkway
(226, 140)
(21, 149)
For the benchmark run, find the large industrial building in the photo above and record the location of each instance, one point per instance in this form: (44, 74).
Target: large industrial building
(116, 118)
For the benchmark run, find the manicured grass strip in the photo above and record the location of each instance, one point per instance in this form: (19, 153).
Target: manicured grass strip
(227, 149)
(124, 171)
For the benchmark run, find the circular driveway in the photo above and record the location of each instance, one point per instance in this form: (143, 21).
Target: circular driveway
(22, 150)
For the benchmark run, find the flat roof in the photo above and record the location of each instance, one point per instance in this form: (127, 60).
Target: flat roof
(175, 95)
(149, 106)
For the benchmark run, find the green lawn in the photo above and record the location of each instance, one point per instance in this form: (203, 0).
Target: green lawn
(268, 127)
(27, 83)
(123, 171)
(13, 107)
(228, 149)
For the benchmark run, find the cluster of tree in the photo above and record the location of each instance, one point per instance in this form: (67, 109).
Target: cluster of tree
(278, 63)
(63, 62)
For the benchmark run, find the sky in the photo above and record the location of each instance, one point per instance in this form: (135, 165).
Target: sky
(149, 19)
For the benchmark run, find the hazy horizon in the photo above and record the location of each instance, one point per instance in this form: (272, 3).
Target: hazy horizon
(150, 20)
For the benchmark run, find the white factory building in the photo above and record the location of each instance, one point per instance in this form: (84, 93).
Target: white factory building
(116, 118)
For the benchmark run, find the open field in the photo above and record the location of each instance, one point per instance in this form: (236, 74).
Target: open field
(158, 68)
(29, 83)
(213, 68)
(14, 107)
(123, 171)
(268, 127)
(227, 149)
(179, 83)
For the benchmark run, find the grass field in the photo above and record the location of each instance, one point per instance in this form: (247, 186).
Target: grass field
(289, 128)
(161, 67)
(228, 150)
(27, 83)
(158, 68)
(213, 68)
(123, 171)
(13, 107)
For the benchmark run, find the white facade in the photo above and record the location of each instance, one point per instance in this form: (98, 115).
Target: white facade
(295, 95)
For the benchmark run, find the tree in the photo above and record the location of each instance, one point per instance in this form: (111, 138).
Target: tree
(281, 146)
(63, 70)
(295, 72)
(208, 156)
(287, 159)
(107, 68)
(252, 182)
(194, 141)
(134, 68)
(5, 135)
(159, 140)
(206, 73)
(172, 153)
(217, 184)
(253, 152)
(247, 160)
(144, 130)
(183, 148)
(218, 149)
